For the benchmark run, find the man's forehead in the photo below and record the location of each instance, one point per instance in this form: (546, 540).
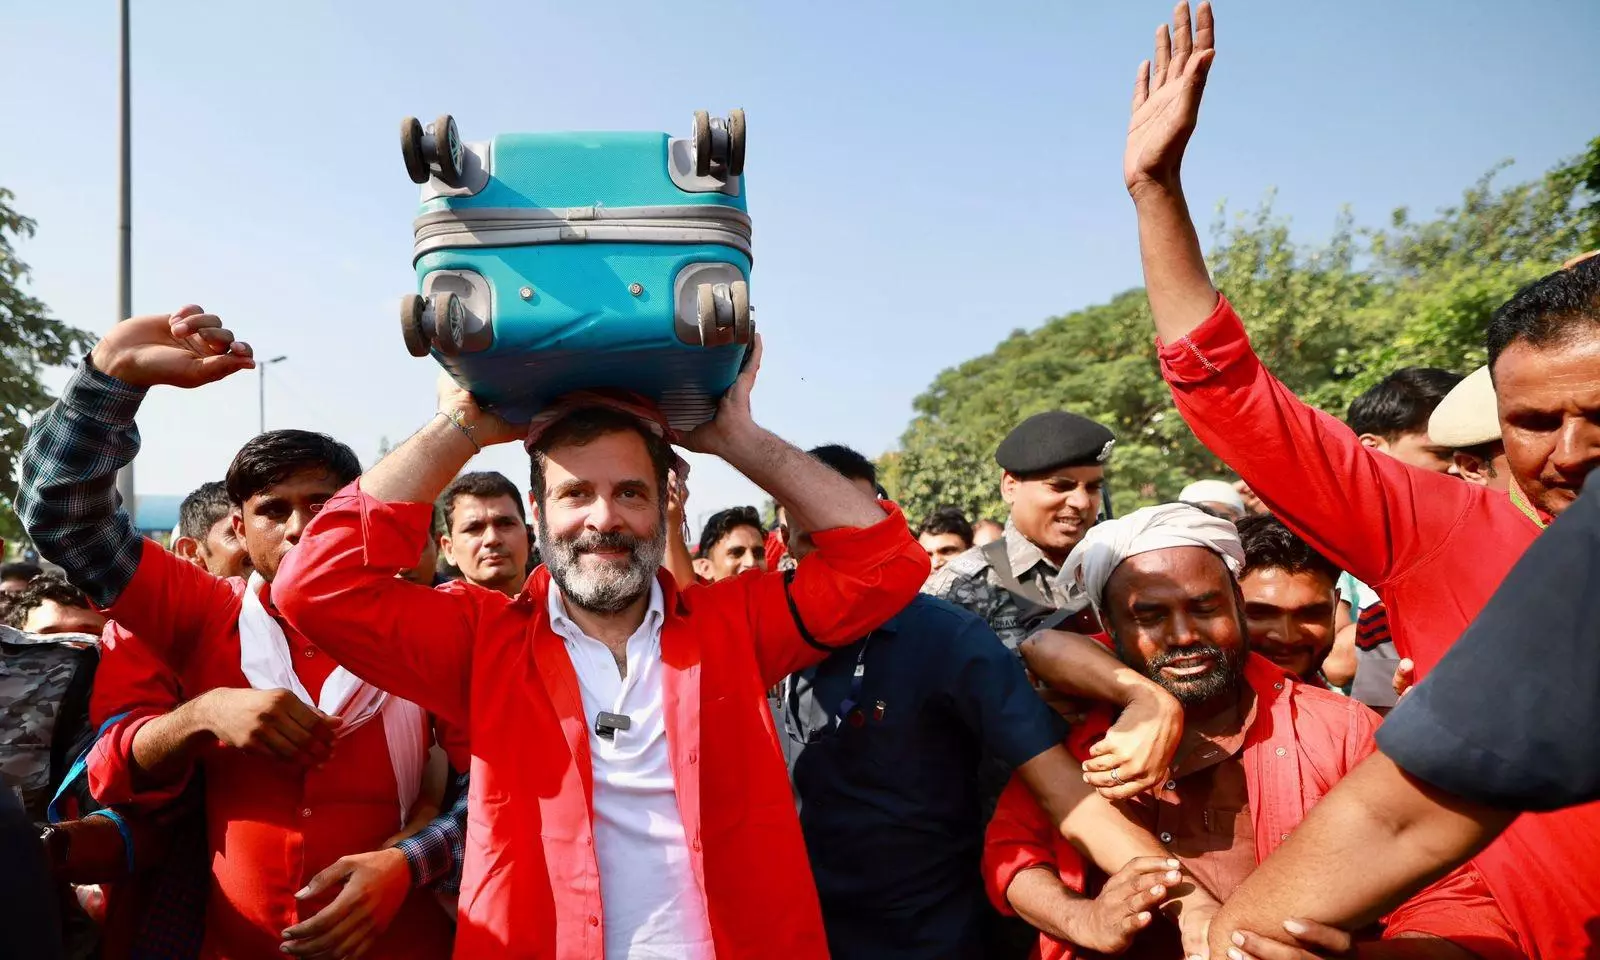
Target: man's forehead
(306, 482)
(495, 506)
(1175, 571)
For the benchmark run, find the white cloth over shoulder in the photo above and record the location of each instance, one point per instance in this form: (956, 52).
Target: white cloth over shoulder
(265, 659)
(1083, 577)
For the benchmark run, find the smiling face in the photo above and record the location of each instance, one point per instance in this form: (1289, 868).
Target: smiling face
(1055, 509)
(270, 522)
(1175, 618)
(741, 549)
(1549, 399)
(1289, 615)
(487, 541)
(602, 525)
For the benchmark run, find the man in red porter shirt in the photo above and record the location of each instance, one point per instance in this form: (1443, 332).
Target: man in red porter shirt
(1434, 548)
(628, 797)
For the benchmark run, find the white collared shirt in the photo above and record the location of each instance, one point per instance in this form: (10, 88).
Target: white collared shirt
(654, 909)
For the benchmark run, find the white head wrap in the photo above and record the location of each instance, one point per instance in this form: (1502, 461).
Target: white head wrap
(1083, 577)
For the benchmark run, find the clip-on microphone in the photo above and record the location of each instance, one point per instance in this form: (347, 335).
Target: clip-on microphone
(606, 724)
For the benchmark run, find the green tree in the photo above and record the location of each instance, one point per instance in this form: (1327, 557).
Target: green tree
(30, 341)
(1330, 319)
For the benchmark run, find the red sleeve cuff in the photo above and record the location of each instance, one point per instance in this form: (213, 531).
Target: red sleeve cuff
(392, 534)
(110, 767)
(1211, 348)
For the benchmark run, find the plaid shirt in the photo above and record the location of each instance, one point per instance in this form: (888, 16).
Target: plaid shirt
(69, 505)
(68, 498)
(435, 852)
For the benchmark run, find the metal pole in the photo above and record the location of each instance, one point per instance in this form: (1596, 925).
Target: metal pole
(261, 406)
(125, 244)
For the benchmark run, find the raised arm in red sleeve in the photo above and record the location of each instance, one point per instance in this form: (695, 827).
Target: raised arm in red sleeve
(1369, 513)
(853, 583)
(338, 585)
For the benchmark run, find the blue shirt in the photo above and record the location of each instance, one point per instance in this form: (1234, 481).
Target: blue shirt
(891, 803)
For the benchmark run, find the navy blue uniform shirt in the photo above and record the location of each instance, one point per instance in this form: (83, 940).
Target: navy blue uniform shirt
(890, 800)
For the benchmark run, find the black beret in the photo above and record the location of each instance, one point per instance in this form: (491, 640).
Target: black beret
(1056, 438)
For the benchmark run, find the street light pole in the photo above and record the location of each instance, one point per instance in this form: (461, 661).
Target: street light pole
(125, 243)
(261, 368)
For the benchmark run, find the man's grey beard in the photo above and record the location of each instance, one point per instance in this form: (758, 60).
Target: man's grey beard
(605, 590)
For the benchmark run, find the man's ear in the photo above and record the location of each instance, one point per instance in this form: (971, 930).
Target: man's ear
(1008, 487)
(1472, 469)
(188, 548)
(702, 568)
(1374, 442)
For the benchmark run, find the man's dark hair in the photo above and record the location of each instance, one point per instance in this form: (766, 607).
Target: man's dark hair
(1269, 545)
(483, 484)
(1401, 403)
(947, 520)
(1550, 310)
(19, 570)
(847, 463)
(201, 509)
(271, 458)
(724, 522)
(583, 427)
(44, 587)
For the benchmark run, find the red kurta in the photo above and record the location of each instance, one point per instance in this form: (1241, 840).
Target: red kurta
(271, 825)
(1303, 741)
(531, 885)
(1434, 547)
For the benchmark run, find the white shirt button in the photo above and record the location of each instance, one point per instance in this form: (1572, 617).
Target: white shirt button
(306, 812)
(1282, 752)
(1172, 784)
(1166, 838)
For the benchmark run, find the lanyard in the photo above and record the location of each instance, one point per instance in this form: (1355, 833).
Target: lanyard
(1526, 508)
(858, 679)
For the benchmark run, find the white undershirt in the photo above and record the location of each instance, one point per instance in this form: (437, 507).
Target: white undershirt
(654, 910)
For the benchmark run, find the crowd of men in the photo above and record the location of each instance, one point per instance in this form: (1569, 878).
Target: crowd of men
(407, 713)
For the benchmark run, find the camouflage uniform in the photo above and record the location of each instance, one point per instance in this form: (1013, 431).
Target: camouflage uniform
(970, 581)
(38, 695)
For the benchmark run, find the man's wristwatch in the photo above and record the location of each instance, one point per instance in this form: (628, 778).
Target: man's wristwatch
(57, 845)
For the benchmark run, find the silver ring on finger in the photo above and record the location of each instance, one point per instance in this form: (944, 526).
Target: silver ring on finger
(1116, 776)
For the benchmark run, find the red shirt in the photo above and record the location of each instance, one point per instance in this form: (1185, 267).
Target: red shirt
(1303, 741)
(271, 825)
(1434, 547)
(531, 882)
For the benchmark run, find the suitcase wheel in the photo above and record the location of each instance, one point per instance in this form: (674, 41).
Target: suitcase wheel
(718, 145)
(717, 312)
(411, 150)
(736, 143)
(449, 323)
(743, 324)
(702, 143)
(416, 336)
(447, 150)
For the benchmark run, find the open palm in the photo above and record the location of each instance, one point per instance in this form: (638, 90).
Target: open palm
(1166, 98)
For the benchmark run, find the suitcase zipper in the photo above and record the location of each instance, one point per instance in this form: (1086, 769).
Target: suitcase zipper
(525, 226)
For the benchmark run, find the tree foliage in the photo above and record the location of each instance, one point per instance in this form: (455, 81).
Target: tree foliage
(1329, 319)
(30, 341)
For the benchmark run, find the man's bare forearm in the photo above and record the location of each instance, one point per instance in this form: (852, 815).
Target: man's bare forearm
(418, 470)
(165, 748)
(1423, 832)
(812, 493)
(1175, 276)
(1078, 666)
(1039, 897)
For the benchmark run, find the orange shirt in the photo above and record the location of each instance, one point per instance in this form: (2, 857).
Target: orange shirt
(1300, 742)
(531, 883)
(271, 825)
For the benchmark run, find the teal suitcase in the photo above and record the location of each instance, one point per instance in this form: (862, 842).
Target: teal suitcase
(553, 262)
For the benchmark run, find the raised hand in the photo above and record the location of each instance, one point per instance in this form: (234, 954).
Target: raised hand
(485, 428)
(733, 412)
(183, 349)
(1166, 99)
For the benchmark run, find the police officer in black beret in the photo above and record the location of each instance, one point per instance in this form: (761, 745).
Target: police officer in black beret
(1054, 482)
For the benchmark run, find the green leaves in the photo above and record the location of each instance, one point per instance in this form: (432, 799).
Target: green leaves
(30, 341)
(1330, 320)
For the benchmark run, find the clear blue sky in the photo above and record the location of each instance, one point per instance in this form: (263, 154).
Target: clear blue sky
(924, 178)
